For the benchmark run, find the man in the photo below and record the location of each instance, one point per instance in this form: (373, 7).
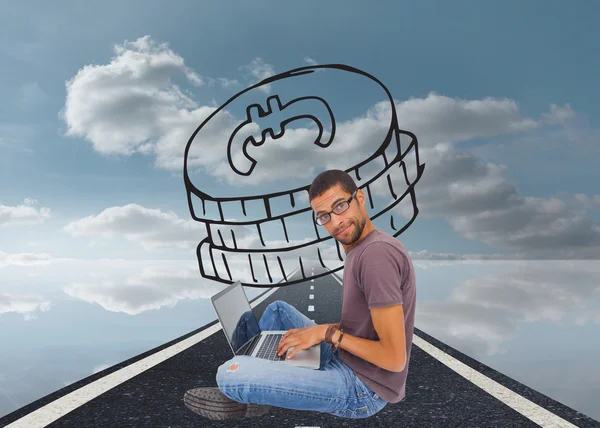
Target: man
(368, 365)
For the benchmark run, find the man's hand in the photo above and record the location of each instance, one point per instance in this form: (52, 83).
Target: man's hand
(301, 338)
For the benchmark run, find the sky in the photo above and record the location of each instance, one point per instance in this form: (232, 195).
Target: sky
(99, 101)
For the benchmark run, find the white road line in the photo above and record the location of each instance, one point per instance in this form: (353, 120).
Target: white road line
(337, 279)
(312, 287)
(527, 408)
(311, 308)
(311, 296)
(61, 406)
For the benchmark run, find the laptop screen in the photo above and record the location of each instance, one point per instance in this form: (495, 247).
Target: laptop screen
(237, 319)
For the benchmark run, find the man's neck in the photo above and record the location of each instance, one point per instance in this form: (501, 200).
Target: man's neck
(369, 227)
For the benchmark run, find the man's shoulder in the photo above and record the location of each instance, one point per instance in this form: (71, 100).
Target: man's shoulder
(379, 240)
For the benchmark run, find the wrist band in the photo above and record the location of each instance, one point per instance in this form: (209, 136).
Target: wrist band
(329, 334)
(334, 347)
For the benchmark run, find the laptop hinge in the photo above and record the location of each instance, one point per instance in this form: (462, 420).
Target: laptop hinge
(248, 348)
(254, 344)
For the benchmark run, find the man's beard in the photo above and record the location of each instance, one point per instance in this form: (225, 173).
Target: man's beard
(357, 230)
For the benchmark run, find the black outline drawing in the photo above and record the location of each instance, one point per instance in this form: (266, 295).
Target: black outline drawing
(274, 105)
(255, 112)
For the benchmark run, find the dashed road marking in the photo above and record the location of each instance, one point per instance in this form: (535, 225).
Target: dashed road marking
(311, 308)
(311, 296)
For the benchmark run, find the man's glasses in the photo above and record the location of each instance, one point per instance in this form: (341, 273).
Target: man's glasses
(338, 209)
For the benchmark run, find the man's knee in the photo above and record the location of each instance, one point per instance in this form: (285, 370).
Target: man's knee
(228, 367)
(278, 304)
(230, 376)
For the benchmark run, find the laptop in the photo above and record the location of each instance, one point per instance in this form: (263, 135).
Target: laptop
(245, 337)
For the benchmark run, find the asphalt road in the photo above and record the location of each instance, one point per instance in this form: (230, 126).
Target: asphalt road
(438, 395)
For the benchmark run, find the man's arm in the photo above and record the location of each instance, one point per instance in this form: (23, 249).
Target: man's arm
(389, 352)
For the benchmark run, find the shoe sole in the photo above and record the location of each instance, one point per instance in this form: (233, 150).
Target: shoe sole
(212, 404)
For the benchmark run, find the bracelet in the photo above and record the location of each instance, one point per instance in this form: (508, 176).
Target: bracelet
(334, 347)
(340, 339)
(329, 334)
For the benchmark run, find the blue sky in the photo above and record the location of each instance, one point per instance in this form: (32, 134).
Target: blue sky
(502, 97)
(531, 56)
(99, 102)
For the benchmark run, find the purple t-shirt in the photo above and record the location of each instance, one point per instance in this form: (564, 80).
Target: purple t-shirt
(378, 272)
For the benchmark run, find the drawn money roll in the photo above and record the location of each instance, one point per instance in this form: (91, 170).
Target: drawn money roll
(243, 153)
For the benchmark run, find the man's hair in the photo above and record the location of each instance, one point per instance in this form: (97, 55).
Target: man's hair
(327, 179)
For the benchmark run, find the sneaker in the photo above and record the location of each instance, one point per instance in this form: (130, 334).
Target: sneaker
(213, 404)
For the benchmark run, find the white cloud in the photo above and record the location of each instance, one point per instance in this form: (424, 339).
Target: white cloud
(481, 204)
(573, 126)
(132, 105)
(24, 259)
(587, 202)
(26, 304)
(483, 313)
(257, 71)
(438, 118)
(559, 115)
(23, 214)
(150, 228)
(451, 257)
(308, 60)
(150, 289)
(228, 83)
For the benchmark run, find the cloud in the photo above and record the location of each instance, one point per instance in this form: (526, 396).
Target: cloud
(451, 257)
(258, 70)
(23, 214)
(25, 304)
(116, 286)
(587, 202)
(435, 119)
(309, 61)
(24, 259)
(228, 83)
(482, 314)
(559, 115)
(573, 126)
(481, 204)
(438, 118)
(132, 105)
(149, 228)
(150, 289)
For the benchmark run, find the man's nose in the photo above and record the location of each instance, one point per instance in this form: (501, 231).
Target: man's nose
(337, 219)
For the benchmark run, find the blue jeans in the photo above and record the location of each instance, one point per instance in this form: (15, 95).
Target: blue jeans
(333, 389)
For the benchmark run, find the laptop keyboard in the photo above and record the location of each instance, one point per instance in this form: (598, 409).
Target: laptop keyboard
(268, 349)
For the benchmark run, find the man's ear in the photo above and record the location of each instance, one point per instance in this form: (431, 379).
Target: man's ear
(360, 196)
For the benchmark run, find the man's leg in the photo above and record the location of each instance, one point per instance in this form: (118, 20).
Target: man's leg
(331, 389)
(258, 383)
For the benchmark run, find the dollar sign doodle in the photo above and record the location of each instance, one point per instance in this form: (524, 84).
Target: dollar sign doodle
(294, 110)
